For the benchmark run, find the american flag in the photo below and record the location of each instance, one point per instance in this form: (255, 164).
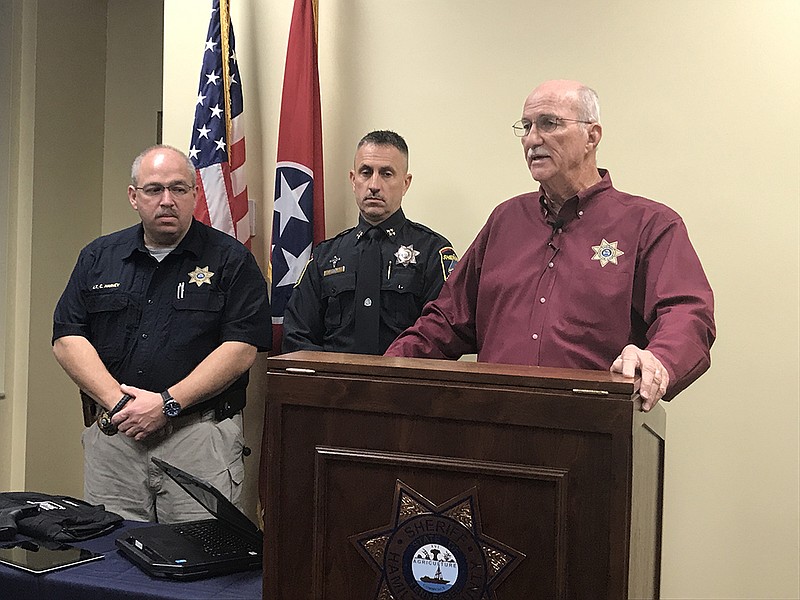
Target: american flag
(217, 147)
(299, 218)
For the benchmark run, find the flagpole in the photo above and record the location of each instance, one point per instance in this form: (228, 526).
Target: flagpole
(315, 11)
(225, 26)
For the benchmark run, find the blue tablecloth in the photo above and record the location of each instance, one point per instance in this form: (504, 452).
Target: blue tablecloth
(116, 577)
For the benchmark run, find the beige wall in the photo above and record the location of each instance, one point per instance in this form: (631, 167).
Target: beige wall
(699, 111)
(67, 194)
(16, 148)
(133, 99)
(49, 154)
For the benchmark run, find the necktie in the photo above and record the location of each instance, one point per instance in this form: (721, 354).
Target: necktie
(368, 293)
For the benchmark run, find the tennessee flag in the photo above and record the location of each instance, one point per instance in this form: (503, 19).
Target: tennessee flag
(217, 146)
(299, 218)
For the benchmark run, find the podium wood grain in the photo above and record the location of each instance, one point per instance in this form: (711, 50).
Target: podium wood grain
(567, 470)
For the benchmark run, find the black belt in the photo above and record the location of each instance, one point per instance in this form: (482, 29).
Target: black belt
(225, 405)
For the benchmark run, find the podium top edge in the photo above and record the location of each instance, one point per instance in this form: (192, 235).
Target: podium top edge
(454, 371)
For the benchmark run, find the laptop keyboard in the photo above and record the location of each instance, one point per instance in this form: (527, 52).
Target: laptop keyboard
(216, 540)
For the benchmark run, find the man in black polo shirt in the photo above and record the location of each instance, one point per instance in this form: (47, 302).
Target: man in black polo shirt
(171, 313)
(362, 288)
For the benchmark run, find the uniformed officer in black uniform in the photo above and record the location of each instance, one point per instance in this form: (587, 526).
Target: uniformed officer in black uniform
(169, 313)
(362, 288)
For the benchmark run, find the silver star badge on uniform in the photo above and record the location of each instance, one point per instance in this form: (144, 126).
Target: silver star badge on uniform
(607, 252)
(406, 255)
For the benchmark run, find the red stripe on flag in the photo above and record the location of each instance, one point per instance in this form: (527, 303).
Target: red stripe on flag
(239, 206)
(237, 154)
(201, 208)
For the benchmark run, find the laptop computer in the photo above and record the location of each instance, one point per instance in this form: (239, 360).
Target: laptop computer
(227, 543)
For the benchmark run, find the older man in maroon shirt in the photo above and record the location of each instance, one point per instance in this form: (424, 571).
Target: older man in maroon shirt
(578, 274)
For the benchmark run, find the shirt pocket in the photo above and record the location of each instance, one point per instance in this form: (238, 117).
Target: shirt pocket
(338, 296)
(402, 297)
(110, 323)
(197, 320)
(598, 300)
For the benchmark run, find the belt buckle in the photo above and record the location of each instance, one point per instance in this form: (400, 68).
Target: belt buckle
(104, 422)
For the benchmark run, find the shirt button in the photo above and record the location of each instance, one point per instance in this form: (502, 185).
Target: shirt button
(542, 300)
(399, 286)
(144, 335)
(559, 230)
(150, 301)
(139, 372)
(580, 213)
(551, 265)
(535, 336)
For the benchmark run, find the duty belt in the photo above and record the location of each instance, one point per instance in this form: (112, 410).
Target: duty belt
(224, 405)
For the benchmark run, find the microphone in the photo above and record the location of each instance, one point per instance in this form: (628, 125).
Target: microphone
(556, 225)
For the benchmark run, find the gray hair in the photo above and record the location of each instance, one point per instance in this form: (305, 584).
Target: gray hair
(137, 163)
(588, 104)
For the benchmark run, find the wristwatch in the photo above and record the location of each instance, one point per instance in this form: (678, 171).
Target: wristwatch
(171, 406)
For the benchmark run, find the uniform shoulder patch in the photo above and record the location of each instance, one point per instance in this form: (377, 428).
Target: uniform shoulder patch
(449, 260)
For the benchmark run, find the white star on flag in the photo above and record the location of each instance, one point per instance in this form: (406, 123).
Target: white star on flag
(296, 264)
(288, 203)
(212, 78)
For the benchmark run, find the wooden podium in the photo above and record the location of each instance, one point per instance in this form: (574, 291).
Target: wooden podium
(563, 469)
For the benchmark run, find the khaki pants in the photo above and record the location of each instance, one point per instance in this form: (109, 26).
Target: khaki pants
(119, 474)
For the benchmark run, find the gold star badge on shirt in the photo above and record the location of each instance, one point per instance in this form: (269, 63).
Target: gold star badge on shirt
(607, 252)
(200, 276)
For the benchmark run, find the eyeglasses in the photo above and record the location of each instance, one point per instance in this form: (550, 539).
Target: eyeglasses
(156, 189)
(544, 124)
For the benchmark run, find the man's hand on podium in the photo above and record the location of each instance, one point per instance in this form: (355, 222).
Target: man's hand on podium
(655, 377)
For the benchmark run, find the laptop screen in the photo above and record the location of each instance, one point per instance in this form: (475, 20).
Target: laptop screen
(201, 494)
(212, 499)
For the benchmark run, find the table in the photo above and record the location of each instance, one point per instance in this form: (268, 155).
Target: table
(116, 577)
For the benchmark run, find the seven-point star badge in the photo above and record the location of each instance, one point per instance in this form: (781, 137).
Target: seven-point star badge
(200, 276)
(607, 252)
(406, 255)
(433, 551)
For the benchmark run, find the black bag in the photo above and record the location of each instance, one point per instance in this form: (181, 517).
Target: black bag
(60, 518)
